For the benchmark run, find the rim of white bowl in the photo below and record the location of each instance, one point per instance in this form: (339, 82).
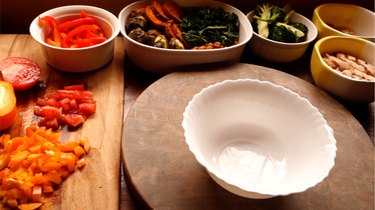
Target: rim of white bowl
(237, 12)
(327, 38)
(115, 27)
(331, 139)
(307, 41)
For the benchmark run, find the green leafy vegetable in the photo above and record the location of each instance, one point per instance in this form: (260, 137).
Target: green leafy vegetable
(205, 25)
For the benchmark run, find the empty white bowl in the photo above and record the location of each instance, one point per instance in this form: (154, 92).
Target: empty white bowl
(282, 52)
(164, 61)
(257, 139)
(78, 59)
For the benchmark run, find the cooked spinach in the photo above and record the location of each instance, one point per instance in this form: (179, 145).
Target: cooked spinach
(205, 25)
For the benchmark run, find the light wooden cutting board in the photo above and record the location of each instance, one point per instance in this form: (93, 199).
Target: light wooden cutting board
(96, 186)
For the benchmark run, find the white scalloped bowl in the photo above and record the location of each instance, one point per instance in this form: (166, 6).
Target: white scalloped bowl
(257, 139)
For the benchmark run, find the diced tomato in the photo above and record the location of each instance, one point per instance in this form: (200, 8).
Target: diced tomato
(49, 123)
(74, 87)
(65, 104)
(48, 111)
(75, 94)
(22, 73)
(87, 108)
(73, 119)
(47, 102)
(74, 105)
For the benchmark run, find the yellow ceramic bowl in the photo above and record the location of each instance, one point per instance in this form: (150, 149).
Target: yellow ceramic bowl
(330, 18)
(334, 82)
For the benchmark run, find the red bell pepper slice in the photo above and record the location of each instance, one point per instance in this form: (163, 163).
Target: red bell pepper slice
(79, 32)
(88, 42)
(64, 27)
(54, 34)
(84, 14)
(69, 38)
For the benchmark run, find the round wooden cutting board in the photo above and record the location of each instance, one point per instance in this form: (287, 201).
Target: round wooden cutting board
(164, 174)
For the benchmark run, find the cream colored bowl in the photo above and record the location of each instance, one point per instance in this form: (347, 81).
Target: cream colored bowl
(163, 61)
(257, 139)
(78, 59)
(282, 52)
(359, 20)
(336, 83)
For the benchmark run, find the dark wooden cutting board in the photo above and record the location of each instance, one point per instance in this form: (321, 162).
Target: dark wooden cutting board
(96, 186)
(163, 174)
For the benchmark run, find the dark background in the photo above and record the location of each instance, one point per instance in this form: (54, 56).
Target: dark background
(16, 15)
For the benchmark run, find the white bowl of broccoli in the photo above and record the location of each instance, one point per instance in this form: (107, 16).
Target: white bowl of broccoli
(280, 34)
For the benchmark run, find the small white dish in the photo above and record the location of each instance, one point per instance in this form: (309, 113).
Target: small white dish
(78, 59)
(282, 52)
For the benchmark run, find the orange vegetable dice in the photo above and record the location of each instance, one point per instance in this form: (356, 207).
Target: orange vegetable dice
(32, 165)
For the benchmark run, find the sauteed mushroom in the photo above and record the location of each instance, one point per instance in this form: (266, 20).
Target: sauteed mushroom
(176, 44)
(150, 36)
(161, 41)
(138, 35)
(136, 22)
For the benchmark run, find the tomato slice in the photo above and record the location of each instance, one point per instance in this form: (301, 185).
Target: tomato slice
(22, 73)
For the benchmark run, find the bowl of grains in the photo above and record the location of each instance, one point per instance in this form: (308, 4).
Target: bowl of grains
(344, 67)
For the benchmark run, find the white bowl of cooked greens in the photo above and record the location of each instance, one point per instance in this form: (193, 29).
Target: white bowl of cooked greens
(280, 34)
(165, 36)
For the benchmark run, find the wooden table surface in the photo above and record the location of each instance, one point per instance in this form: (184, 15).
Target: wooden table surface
(136, 81)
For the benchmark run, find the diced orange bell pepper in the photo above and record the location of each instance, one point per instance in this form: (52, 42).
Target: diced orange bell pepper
(32, 165)
(37, 193)
(29, 206)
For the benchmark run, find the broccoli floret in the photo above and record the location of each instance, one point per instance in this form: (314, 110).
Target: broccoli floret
(302, 27)
(282, 34)
(273, 22)
(288, 33)
(266, 14)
